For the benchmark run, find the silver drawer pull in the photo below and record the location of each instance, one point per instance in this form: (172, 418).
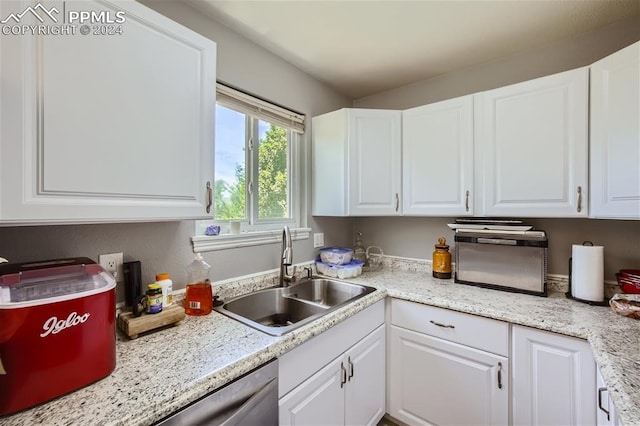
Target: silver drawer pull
(600, 390)
(439, 324)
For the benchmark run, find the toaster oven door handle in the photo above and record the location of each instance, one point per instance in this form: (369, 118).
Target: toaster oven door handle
(498, 241)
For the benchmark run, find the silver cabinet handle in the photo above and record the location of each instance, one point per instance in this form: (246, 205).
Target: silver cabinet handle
(439, 324)
(344, 375)
(579, 199)
(209, 197)
(397, 201)
(600, 390)
(350, 368)
(466, 201)
(499, 375)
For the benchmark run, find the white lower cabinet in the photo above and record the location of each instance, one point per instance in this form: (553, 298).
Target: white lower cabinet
(606, 414)
(318, 401)
(554, 379)
(444, 380)
(349, 389)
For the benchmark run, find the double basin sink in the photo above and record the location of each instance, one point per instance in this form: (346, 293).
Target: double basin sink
(279, 310)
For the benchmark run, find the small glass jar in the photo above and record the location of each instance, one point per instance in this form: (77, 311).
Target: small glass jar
(441, 265)
(154, 299)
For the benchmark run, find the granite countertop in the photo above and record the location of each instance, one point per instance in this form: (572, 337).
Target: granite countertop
(161, 372)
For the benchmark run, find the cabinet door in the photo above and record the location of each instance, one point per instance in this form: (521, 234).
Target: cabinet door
(606, 414)
(365, 388)
(531, 146)
(317, 401)
(554, 379)
(615, 135)
(374, 162)
(437, 158)
(99, 128)
(436, 382)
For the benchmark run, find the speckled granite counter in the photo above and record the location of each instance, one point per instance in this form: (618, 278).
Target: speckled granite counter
(614, 339)
(163, 371)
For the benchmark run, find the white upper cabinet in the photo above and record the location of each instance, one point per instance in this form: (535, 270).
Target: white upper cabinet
(356, 163)
(437, 158)
(615, 135)
(106, 127)
(531, 147)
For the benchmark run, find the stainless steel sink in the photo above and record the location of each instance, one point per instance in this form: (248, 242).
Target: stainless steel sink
(326, 292)
(279, 310)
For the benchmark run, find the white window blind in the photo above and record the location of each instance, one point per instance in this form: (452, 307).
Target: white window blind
(256, 107)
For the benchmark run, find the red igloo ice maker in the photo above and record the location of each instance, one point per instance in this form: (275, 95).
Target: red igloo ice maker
(57, 329)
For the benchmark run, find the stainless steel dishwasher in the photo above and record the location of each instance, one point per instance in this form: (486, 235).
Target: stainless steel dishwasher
(251, 399)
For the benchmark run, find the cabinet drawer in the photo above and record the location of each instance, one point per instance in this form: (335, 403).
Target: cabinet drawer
(478, 332)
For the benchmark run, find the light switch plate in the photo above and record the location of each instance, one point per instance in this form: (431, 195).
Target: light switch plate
(318, 240)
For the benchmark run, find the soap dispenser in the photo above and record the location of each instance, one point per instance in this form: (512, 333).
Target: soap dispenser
(359, 252)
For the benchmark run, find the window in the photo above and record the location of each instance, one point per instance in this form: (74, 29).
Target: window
(256, 170)
(253, 159)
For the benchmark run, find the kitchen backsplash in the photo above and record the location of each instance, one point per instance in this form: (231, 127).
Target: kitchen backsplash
(233, 287)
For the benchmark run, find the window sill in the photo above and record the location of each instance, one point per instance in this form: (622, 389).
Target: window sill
(202, 243)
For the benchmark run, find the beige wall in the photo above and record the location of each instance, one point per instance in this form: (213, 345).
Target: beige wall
(166, 246)
(545, 60)
(414, 237)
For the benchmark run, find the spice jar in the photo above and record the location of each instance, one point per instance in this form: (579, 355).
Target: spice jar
(441, 266)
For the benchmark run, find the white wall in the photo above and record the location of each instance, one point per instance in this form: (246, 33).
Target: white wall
(415, 237)
(166, 247)
(545, 60)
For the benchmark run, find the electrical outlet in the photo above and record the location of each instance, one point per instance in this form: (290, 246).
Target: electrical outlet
(112, 263)
(318, 240)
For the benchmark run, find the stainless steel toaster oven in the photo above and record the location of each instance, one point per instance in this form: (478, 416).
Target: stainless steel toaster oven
(504, 260)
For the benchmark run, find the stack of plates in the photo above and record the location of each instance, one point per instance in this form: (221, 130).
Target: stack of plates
(485, 224)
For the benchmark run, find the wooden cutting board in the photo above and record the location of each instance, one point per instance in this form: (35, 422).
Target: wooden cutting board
(132, 326)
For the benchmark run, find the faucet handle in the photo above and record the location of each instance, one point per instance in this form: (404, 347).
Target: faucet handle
(309, 271)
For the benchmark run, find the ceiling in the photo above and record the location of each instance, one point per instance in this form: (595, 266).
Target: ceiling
(362, 47)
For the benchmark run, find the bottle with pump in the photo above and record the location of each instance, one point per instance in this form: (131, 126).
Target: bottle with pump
(359, 252)
(199, 296)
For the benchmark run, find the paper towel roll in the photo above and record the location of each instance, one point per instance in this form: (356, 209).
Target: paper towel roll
(587, 273)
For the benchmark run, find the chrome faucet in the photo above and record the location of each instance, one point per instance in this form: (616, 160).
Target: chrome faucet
(287, 259)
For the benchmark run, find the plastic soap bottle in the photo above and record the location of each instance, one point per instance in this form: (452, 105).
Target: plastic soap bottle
(199, 296)
(166, 284)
